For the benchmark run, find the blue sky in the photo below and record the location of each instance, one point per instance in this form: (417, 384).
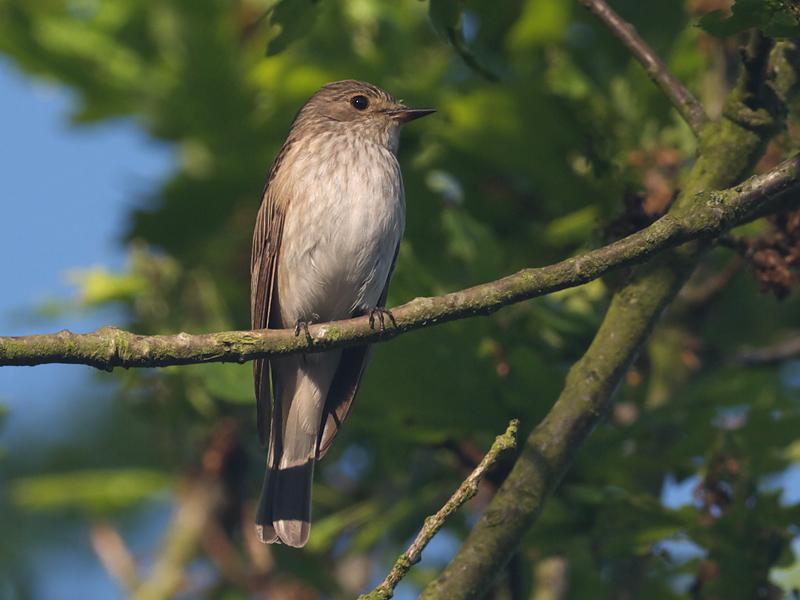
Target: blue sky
(65, 193)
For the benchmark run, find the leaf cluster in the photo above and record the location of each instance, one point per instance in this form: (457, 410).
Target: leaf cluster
(546, 131)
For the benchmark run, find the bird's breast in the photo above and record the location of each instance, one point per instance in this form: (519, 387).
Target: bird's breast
(342, 226)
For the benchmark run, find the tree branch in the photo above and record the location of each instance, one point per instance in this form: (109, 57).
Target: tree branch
(683, 100)
(551, 446)
(712, 214)
(728, 149)
(199, 500)
(769, 355)
(114, 555)
(196, 503)
(467, 489)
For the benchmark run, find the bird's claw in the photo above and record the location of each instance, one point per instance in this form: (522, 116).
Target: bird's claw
(382, 313)
(300, 324)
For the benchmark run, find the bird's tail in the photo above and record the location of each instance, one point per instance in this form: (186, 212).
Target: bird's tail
(284, 509)
(300, 386)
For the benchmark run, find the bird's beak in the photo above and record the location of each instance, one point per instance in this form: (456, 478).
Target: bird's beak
(405, 114)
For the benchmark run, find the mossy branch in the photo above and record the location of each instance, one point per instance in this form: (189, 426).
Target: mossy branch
(712, 214)
(550, 448)
(467, 489)
(728, 150)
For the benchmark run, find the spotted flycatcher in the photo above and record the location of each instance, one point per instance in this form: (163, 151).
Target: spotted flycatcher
(325, 244)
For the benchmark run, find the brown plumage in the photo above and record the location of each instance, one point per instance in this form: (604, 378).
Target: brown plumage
(324, 247)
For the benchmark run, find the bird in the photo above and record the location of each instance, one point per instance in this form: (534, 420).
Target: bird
(324, 248)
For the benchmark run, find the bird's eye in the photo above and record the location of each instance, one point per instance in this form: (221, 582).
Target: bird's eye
(359, 102)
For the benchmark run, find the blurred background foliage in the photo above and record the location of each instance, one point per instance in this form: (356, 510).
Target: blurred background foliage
(549, 140)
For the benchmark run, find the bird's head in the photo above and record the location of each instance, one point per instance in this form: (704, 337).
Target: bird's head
(358, 108)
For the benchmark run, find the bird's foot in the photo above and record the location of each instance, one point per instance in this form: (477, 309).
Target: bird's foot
(300, 324)
(381, 313)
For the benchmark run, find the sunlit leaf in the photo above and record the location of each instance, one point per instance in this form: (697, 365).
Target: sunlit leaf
(229, 382)
(98, 286)
(92, 491)
(541, 22)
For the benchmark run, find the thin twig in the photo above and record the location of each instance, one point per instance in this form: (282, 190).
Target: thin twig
(199, 500)
(683, 100)
(698, 295)
(225, 556)
(110, 548)
(770, 355)
(551, 577)
(196, 503)
(467, 489)
(728, 150)
(710, 214)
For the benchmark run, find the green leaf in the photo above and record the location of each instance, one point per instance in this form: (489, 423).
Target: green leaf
(572, 227)
(98, 286)
(230, 382)
(447, 18)
(776, 18)
(541, 22)
(328, 529)
(100, 490)
(295, 17)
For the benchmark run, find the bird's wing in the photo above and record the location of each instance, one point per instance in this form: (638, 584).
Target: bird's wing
(263, 281)
(346, 381)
